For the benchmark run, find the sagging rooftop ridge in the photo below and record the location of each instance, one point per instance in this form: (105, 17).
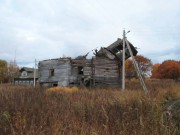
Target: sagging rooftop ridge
(103, 69)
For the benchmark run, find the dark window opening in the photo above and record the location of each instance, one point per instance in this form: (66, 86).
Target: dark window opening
(55, 84)
(51, 72)
(80, 70)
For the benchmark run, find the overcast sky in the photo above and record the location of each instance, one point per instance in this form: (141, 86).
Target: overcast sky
(45, 29)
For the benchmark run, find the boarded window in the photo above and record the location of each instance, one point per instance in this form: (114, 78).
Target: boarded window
(51, 72)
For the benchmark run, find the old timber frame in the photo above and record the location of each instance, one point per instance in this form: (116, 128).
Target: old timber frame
(103, 69)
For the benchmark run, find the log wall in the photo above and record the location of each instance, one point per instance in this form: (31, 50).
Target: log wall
(62, 71)
(72, 72)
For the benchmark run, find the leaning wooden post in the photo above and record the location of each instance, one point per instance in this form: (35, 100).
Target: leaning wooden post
(123, 63)
(136, 68)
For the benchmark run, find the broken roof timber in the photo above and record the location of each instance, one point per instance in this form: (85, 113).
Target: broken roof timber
(118, 46)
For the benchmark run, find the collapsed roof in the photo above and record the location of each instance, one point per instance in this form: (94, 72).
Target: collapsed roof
(114, 51)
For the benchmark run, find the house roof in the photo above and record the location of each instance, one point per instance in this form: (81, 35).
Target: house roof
(30, 72)
(27, 69)
(118, 45)
(31, 75)
(116, 50)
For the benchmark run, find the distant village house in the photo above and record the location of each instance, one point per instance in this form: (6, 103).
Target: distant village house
(26, 76)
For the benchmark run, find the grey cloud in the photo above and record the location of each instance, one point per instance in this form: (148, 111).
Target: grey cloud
(50, 28)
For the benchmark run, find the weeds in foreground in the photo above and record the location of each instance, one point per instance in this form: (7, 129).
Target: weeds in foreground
(62, 89)
(71, 111)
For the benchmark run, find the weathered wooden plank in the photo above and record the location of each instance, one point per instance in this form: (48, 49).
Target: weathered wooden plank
(106, 68)
(67, 72)
(62, 69)
(105, 71)
(104, 62)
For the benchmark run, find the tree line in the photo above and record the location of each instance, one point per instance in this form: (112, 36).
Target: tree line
(168, 69)
(8, 70)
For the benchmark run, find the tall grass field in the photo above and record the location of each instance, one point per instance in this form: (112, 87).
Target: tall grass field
(25, 110)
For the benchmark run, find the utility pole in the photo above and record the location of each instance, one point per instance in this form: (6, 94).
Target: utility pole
(35, 74)
(123, 61)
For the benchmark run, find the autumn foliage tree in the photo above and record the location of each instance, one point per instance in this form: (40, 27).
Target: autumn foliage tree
(129, 69)
(13, 71)
(169, 69)
(3, 71)
(143, 63)
(154, 72)
(8, 71)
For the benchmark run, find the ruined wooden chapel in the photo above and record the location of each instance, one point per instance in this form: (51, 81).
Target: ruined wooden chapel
(103, 69)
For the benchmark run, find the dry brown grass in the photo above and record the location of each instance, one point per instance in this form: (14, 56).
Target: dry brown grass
(73, 111)
(62, 89)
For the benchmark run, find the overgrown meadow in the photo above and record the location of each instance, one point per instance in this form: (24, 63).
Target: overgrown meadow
(98, 111)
